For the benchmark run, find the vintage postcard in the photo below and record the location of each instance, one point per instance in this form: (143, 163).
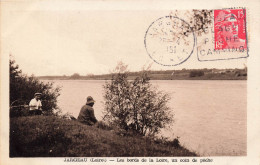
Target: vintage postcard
(130, 82)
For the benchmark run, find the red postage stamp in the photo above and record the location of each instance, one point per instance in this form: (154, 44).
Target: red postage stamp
(230, 29)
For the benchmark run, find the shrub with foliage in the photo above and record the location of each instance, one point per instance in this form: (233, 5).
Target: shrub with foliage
(196, 73)
(23, 87)
(135, 106)
(75, 76)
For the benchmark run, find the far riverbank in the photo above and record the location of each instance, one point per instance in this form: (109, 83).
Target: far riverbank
(184, 74)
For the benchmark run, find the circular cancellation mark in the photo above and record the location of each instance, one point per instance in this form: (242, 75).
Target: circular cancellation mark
(169, 41)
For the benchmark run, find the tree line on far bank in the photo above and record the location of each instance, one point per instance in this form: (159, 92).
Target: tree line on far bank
(184, 74)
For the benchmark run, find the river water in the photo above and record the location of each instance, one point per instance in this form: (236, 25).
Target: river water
(210, 115)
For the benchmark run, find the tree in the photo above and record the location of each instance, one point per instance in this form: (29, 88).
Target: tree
(196, 73)
(135, 105)
(23, 87)
(75, 76)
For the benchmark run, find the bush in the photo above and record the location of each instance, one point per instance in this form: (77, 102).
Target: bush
(196, 73)
(174, 143)
(103, 125)
(75, 76)
(22, 89)
(135, 106)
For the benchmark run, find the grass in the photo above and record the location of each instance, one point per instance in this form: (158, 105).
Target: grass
(49, 136)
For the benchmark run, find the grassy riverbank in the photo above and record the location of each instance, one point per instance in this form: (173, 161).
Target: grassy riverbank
(48, 136)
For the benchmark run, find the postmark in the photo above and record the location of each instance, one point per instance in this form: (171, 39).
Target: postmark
(169, 41)
(225, 37)
(219, 34)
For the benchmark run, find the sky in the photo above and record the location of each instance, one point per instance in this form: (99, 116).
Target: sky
(64, 38)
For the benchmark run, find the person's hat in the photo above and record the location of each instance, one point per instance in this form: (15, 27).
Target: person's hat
(90, 100)
(37, 94)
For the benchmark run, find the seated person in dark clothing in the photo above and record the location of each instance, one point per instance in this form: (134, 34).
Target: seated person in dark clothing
(86, 114)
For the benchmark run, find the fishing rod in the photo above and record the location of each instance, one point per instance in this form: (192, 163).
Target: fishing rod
(24, 105)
